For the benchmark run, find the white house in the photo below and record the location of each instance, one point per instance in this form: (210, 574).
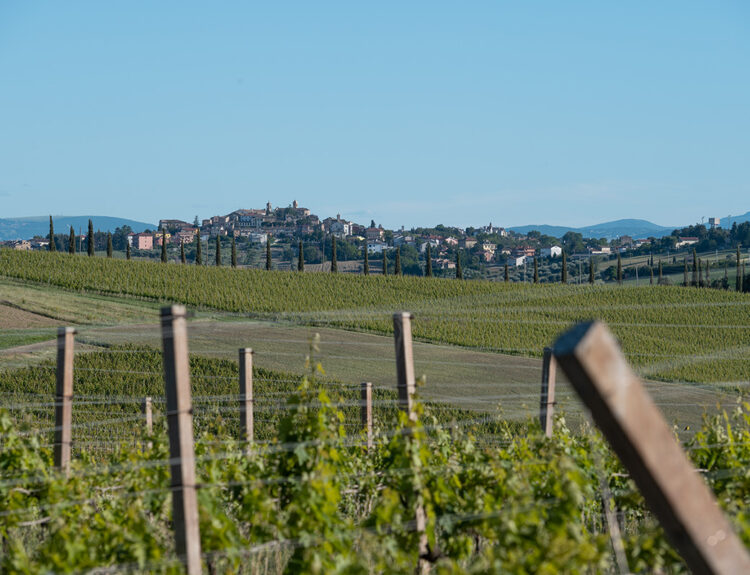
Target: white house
(376, 247)
(551, 252)
(518, 261)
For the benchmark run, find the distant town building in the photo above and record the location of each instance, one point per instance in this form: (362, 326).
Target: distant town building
(551, 252)
(374, 234)
(21, 245)
(686, 241)
(174, 225)
(184, 236)
(714, 223)
(467, 243)
(376, 247)
(141, 241)
(524, 251)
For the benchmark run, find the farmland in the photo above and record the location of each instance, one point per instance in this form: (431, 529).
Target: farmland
(309, 497)
(669, 333)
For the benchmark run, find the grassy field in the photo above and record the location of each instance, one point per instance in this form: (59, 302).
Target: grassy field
(670, 333)
(480, 341)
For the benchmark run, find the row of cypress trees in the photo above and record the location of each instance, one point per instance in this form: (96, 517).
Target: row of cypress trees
(697, 271)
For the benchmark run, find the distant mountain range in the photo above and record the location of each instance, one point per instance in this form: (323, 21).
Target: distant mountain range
(728, 221)
(27, 228)
(609, 230)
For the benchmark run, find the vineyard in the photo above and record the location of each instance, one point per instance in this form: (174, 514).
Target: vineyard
(312, 493)
(310, 496)
(670, 333)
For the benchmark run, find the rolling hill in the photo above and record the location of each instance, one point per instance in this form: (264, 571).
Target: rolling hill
(28, 227)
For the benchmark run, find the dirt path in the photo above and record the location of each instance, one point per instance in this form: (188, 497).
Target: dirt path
(12, 317)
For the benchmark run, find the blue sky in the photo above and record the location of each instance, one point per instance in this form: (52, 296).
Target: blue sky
(409, 113)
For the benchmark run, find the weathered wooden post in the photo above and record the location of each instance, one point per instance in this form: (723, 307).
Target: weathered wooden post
(64, 398)
(180, 424)
(148, 413)
(404, 362)
(636, 430)
(247, 428)
(547, 400)
(407, 386)
(366, 410)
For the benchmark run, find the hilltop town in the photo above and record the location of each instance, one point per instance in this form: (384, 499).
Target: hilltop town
(276, 235)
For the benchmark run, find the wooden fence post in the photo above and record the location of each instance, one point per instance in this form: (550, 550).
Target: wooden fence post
(64, 398)
(404, 362)
(547, 400)
(366, 410)
(147, 411)
(247, 425)
(406, 388)
(636, 430)
(180, 424)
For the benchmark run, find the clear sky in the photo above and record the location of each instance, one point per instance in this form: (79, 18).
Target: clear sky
(409, 113)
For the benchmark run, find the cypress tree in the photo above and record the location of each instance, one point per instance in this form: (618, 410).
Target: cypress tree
(52, 246)
(536, 271)
(700, 273)
(507, 273)
(738, 283)
(397, 267)
(459, 271)
(127, 251)
(234, 252)
(367, 262)
(695, 269)
(651, 279)
(163, 245)
(72, 241)
(661, 274)
(182, 252)
(564, 275)
(300, 258)
(591, 270)
(109, 244)
(334, 261)
(90, 239)
(685, 273)
(385, 263)
(619, 269)
(198, 248)
(428, 267)
(268, 253)
(218, 251)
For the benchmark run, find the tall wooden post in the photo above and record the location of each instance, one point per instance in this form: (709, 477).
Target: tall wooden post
(247, 429)
(366, 411)
(148, 413)
(404, 362)
(180, 423)
(547, 400)
(64, 398)
(636, 430)
(406, 388)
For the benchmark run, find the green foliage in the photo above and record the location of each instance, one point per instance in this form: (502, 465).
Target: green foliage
(516, 502)
(72, 241)
(52, 246)
(334, 261)
(198, 249)
(90, 239)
